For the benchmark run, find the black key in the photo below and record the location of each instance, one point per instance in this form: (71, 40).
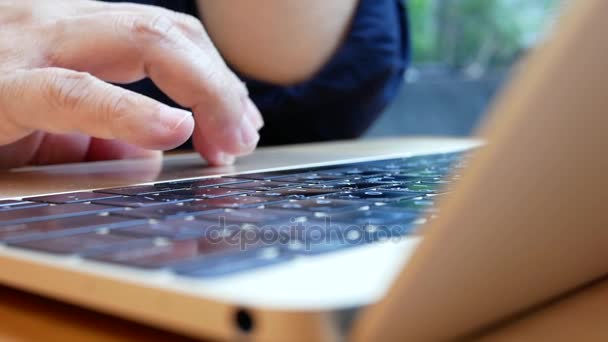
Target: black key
(76, 197)
(84, 244)
(319, 238)
(140, 190)
(326, 186)
(377, 195)
(423, 187)
(355, 185)
(235, 202)
(298, 193)
(217, 182)
(179, 252)
(312, 178)
(142, 201)
(201, 183)
(170, 211)
(255, 216)
(424, 174)
(365, 172)
(208, 192)
(173, 229)
(216, 267)
(400, 178)
(385, 180)
(51, 212)
(409, 178)
(170, 197)
(62, 227)
(338, 173)
(15, 205)
(258, 185)
(421, 204)
(320, 205)
(311, 238)
(170, 186)
(157, 255)
(269, 175)
(375, 217)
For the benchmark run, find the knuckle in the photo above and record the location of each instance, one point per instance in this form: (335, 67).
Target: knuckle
(186, 22)
(50, 57)
(10, 89)
(192, 24)
(55, 32)
(118, 114)
(118, 110)
(158, 28)
(67, 90)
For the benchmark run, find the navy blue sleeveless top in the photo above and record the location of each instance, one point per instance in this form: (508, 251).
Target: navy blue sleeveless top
(345, 97)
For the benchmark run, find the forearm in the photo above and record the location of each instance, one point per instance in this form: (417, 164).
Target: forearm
(279, 41)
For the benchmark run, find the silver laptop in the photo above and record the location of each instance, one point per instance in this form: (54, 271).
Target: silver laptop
(404, 239)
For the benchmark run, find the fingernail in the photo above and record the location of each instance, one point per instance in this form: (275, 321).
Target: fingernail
(253, 113)
(249, 135)
(225, 159)
(173, 118)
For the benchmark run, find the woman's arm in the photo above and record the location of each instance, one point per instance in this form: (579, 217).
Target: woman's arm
(278, 41)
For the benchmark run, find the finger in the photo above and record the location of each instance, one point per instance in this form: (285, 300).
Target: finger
(188, 24)
(254, 115)
(63, 101)
(212, 155)
(191, 27)
(43, 149)
(21, 152)
(130, 47)
(101, 149)
(61, 149)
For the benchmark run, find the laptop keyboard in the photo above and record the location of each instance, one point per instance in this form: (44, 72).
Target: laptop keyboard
(219, 226)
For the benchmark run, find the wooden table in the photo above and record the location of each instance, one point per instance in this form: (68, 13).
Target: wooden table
(26, 317)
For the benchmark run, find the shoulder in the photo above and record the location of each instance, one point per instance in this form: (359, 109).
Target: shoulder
(351, 90)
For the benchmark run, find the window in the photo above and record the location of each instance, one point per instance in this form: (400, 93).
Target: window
(462, 53)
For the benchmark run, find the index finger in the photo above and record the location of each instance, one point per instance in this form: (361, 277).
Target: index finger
(130, 47)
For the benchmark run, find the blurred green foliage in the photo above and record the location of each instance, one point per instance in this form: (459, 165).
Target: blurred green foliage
(461, 33)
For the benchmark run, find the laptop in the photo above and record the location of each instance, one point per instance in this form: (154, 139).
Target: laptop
(417, 239)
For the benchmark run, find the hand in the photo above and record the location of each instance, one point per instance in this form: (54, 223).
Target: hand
(55, 104)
